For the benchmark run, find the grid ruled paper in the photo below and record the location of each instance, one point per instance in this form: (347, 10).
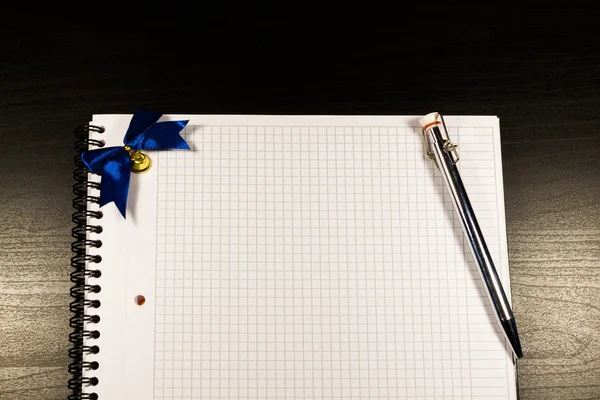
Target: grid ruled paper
(324, 262)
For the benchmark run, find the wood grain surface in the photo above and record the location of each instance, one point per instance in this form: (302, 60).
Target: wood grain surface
(538, 69)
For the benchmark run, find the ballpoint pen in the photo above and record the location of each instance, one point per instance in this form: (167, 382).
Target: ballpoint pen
(443, 152)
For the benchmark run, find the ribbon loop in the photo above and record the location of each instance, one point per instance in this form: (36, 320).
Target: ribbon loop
(114, 164)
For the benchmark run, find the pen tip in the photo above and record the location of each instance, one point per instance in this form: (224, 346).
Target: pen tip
(510, 330)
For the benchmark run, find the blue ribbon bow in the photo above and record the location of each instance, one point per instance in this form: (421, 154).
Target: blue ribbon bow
(114, 163)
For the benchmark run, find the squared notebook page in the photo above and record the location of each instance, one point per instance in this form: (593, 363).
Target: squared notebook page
(318, 258)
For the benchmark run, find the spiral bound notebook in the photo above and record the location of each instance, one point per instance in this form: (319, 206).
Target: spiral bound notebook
(289, 257)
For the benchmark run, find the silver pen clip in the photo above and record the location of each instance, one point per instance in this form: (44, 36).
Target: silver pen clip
(435, 131)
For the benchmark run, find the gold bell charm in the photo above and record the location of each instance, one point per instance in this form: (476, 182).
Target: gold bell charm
(140, 162)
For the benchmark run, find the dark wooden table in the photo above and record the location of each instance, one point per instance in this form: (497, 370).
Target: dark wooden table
(537, 69)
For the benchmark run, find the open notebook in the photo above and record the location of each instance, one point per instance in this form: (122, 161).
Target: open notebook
(299, 257)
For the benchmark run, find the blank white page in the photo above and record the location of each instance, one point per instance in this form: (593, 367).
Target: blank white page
(321, 258)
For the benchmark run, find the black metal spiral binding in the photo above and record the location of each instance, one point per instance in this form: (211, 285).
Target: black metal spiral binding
(83, 269)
